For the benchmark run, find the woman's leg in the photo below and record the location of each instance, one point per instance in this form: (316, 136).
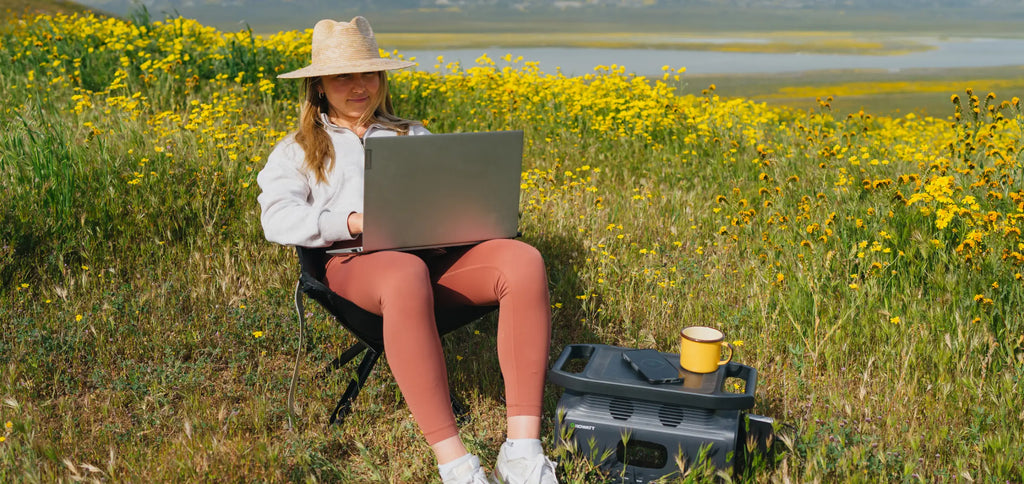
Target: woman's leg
(510, 273)
(397, 285)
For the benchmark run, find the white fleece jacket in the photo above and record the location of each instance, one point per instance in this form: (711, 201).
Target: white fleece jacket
(295, 209)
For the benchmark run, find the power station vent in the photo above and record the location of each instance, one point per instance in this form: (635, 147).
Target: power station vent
(670, 415)
(620, 408)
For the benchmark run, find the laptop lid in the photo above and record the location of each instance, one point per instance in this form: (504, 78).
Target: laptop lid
(441, 190)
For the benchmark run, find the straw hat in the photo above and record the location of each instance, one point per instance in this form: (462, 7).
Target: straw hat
(345, 47)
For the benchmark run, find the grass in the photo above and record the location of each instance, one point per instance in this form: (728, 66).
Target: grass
(869, 264)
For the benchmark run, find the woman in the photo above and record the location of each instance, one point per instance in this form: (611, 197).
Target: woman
(312, 196)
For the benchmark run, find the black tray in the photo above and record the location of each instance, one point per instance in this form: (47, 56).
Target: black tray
(607, 373)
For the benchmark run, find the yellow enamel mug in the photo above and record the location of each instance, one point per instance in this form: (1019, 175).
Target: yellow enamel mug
(700, 349)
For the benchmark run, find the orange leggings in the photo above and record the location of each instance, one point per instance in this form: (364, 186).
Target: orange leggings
(404, 287)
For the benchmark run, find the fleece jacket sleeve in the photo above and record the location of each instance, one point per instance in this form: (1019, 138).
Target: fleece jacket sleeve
(288, 214)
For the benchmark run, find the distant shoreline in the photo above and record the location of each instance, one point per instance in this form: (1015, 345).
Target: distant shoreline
(572, 61)
(858, 43)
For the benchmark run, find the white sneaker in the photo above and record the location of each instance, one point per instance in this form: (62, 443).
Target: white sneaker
(534, 470)
(468, 472)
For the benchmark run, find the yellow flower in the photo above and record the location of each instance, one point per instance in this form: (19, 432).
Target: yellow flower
(257, 334)
(78, 317)
(894, 320)
(9, 425)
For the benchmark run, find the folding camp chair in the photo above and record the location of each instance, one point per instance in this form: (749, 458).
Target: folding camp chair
(364, 325)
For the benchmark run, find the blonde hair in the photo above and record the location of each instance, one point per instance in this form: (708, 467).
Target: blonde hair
(313, 138)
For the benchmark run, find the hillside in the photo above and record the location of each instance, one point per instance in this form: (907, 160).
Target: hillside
(9, 7)
(997, 17)
(570, 4)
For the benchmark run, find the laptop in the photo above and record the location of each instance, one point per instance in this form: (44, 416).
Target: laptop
(439, 190)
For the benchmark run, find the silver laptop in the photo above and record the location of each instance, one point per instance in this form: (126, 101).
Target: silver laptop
(440, 190)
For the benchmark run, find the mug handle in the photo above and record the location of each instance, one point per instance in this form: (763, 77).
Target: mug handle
(731, 349)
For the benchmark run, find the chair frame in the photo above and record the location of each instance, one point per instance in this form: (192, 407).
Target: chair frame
(367, 328)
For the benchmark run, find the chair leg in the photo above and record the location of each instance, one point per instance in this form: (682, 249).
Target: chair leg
(362, 373)
(342, 360)
(460, 409)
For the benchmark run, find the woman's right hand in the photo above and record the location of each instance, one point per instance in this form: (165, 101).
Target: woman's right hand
(355, 223)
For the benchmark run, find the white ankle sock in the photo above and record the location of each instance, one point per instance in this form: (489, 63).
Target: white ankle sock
(447, 470)
(522, 448)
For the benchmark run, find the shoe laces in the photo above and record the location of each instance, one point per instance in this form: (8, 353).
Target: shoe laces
(528, 470)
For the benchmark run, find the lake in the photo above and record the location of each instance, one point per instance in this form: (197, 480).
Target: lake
(947, 53)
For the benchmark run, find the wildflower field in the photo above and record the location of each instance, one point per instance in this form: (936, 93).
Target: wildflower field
(869, 267)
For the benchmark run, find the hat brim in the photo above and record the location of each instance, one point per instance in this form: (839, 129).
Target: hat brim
(369, 65)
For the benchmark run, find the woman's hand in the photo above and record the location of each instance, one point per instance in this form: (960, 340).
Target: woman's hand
(355, 223)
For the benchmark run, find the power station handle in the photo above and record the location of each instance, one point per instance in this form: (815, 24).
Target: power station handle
(745, 373)
(574, 352)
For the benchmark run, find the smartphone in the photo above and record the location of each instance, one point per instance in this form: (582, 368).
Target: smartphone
(652, 366)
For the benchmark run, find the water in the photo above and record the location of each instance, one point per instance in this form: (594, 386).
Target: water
(948, 53)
